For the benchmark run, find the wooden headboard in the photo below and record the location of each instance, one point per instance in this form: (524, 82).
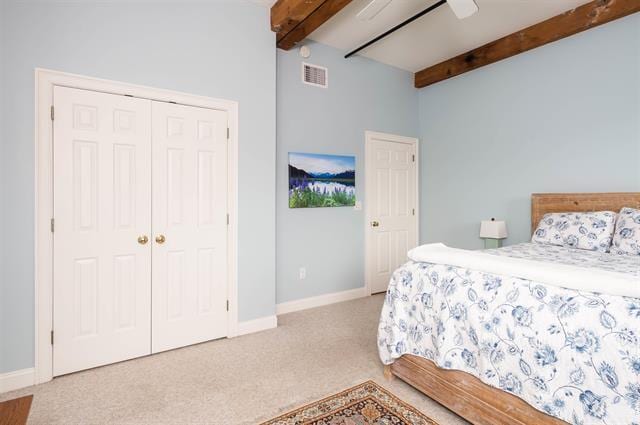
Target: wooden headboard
(542, 203)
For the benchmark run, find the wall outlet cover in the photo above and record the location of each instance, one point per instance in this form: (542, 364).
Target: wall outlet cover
(303, 273)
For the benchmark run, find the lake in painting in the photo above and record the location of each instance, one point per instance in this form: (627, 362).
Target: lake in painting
(317, 180)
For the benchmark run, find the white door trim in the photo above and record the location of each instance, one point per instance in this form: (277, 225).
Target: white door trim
(369, 136)
(45, 80)
(15, 380)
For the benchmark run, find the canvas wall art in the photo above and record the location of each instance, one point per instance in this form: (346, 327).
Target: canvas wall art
(318, 180)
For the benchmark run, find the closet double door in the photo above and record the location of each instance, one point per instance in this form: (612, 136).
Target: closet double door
(139, 227)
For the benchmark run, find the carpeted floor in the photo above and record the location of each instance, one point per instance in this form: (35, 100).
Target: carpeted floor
(312, 354)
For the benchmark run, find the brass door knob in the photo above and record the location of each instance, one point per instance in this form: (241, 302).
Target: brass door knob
(160, 239)
(375, 224)
(143, 239)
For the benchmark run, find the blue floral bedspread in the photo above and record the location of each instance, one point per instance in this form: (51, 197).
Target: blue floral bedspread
(574, 355)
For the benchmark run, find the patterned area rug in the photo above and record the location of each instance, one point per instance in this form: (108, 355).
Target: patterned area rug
(364, 404)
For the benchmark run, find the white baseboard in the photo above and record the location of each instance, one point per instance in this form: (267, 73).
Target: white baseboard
(320, 300)
(257, 325)
(15, 380)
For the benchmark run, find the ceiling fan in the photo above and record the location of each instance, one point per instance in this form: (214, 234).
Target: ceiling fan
(461, 8)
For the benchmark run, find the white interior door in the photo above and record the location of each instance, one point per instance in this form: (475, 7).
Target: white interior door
(189, 225)
(390, 172)
(102, 205)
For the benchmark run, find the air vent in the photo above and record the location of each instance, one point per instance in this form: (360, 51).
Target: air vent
(315, 75)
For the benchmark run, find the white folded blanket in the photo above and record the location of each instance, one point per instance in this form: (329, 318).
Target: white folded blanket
(565, 276)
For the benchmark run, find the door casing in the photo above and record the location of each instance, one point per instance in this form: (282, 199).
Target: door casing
(368, 138)
(45, 80)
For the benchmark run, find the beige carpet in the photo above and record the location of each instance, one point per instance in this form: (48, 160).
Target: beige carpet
(255, 377)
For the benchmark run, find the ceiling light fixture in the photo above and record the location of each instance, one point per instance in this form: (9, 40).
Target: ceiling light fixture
(461, 8)
(371, 10)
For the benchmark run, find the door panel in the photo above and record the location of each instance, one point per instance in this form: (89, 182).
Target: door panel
(190, 211)
(391, 196)
(102, 204)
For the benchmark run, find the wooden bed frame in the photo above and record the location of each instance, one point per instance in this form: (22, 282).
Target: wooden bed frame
(462, 392)
(543, 203)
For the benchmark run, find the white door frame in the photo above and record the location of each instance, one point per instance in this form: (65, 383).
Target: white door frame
(369, 136)
(45, 81)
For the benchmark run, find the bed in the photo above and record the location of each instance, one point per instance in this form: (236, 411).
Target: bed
(530, 353)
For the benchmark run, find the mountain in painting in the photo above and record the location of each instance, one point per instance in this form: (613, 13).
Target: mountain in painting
(296, 173)
(345, 175)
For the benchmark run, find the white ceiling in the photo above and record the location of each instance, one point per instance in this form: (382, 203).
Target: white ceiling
(438, 35)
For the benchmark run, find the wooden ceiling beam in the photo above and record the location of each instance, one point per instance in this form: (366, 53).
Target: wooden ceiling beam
(287, 14)
(582, 18)
(294, 20)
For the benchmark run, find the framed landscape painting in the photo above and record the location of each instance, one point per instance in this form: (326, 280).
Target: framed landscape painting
(318, 180)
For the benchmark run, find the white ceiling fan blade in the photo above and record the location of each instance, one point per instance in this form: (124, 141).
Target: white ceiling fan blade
(372, 9)
(463, 8)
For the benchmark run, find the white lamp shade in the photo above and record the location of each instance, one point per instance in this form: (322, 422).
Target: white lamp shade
(493, 229)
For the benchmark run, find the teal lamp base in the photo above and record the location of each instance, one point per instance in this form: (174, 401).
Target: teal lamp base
(490, 243)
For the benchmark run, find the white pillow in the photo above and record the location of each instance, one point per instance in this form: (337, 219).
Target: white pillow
(626, 238)
(592, 231)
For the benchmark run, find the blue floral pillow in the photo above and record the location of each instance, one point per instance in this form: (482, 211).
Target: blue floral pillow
(586, 230)
(626, 239)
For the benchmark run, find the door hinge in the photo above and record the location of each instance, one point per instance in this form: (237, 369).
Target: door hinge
(228, 133)
(227, 219)
(413, 211)
(52, 113)
(53, 225)
(52, 337)
(227, 305)
(413, 158)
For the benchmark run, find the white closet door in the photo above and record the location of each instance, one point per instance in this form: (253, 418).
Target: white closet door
(102, 205)
(391, 197)
(189, 225)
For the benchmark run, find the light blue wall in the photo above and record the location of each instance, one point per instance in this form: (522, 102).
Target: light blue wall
(362, 95)
(216, 48)
(561, 118)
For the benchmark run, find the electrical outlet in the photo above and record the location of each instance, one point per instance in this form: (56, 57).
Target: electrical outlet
(303, 273)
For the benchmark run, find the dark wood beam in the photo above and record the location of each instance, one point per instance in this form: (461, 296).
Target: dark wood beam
(582, 18)
(287, 14)
(294, 20)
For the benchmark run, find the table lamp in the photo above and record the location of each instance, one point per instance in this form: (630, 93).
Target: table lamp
(493, 231)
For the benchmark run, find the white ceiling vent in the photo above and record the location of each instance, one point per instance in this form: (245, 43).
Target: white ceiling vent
(315, 75)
